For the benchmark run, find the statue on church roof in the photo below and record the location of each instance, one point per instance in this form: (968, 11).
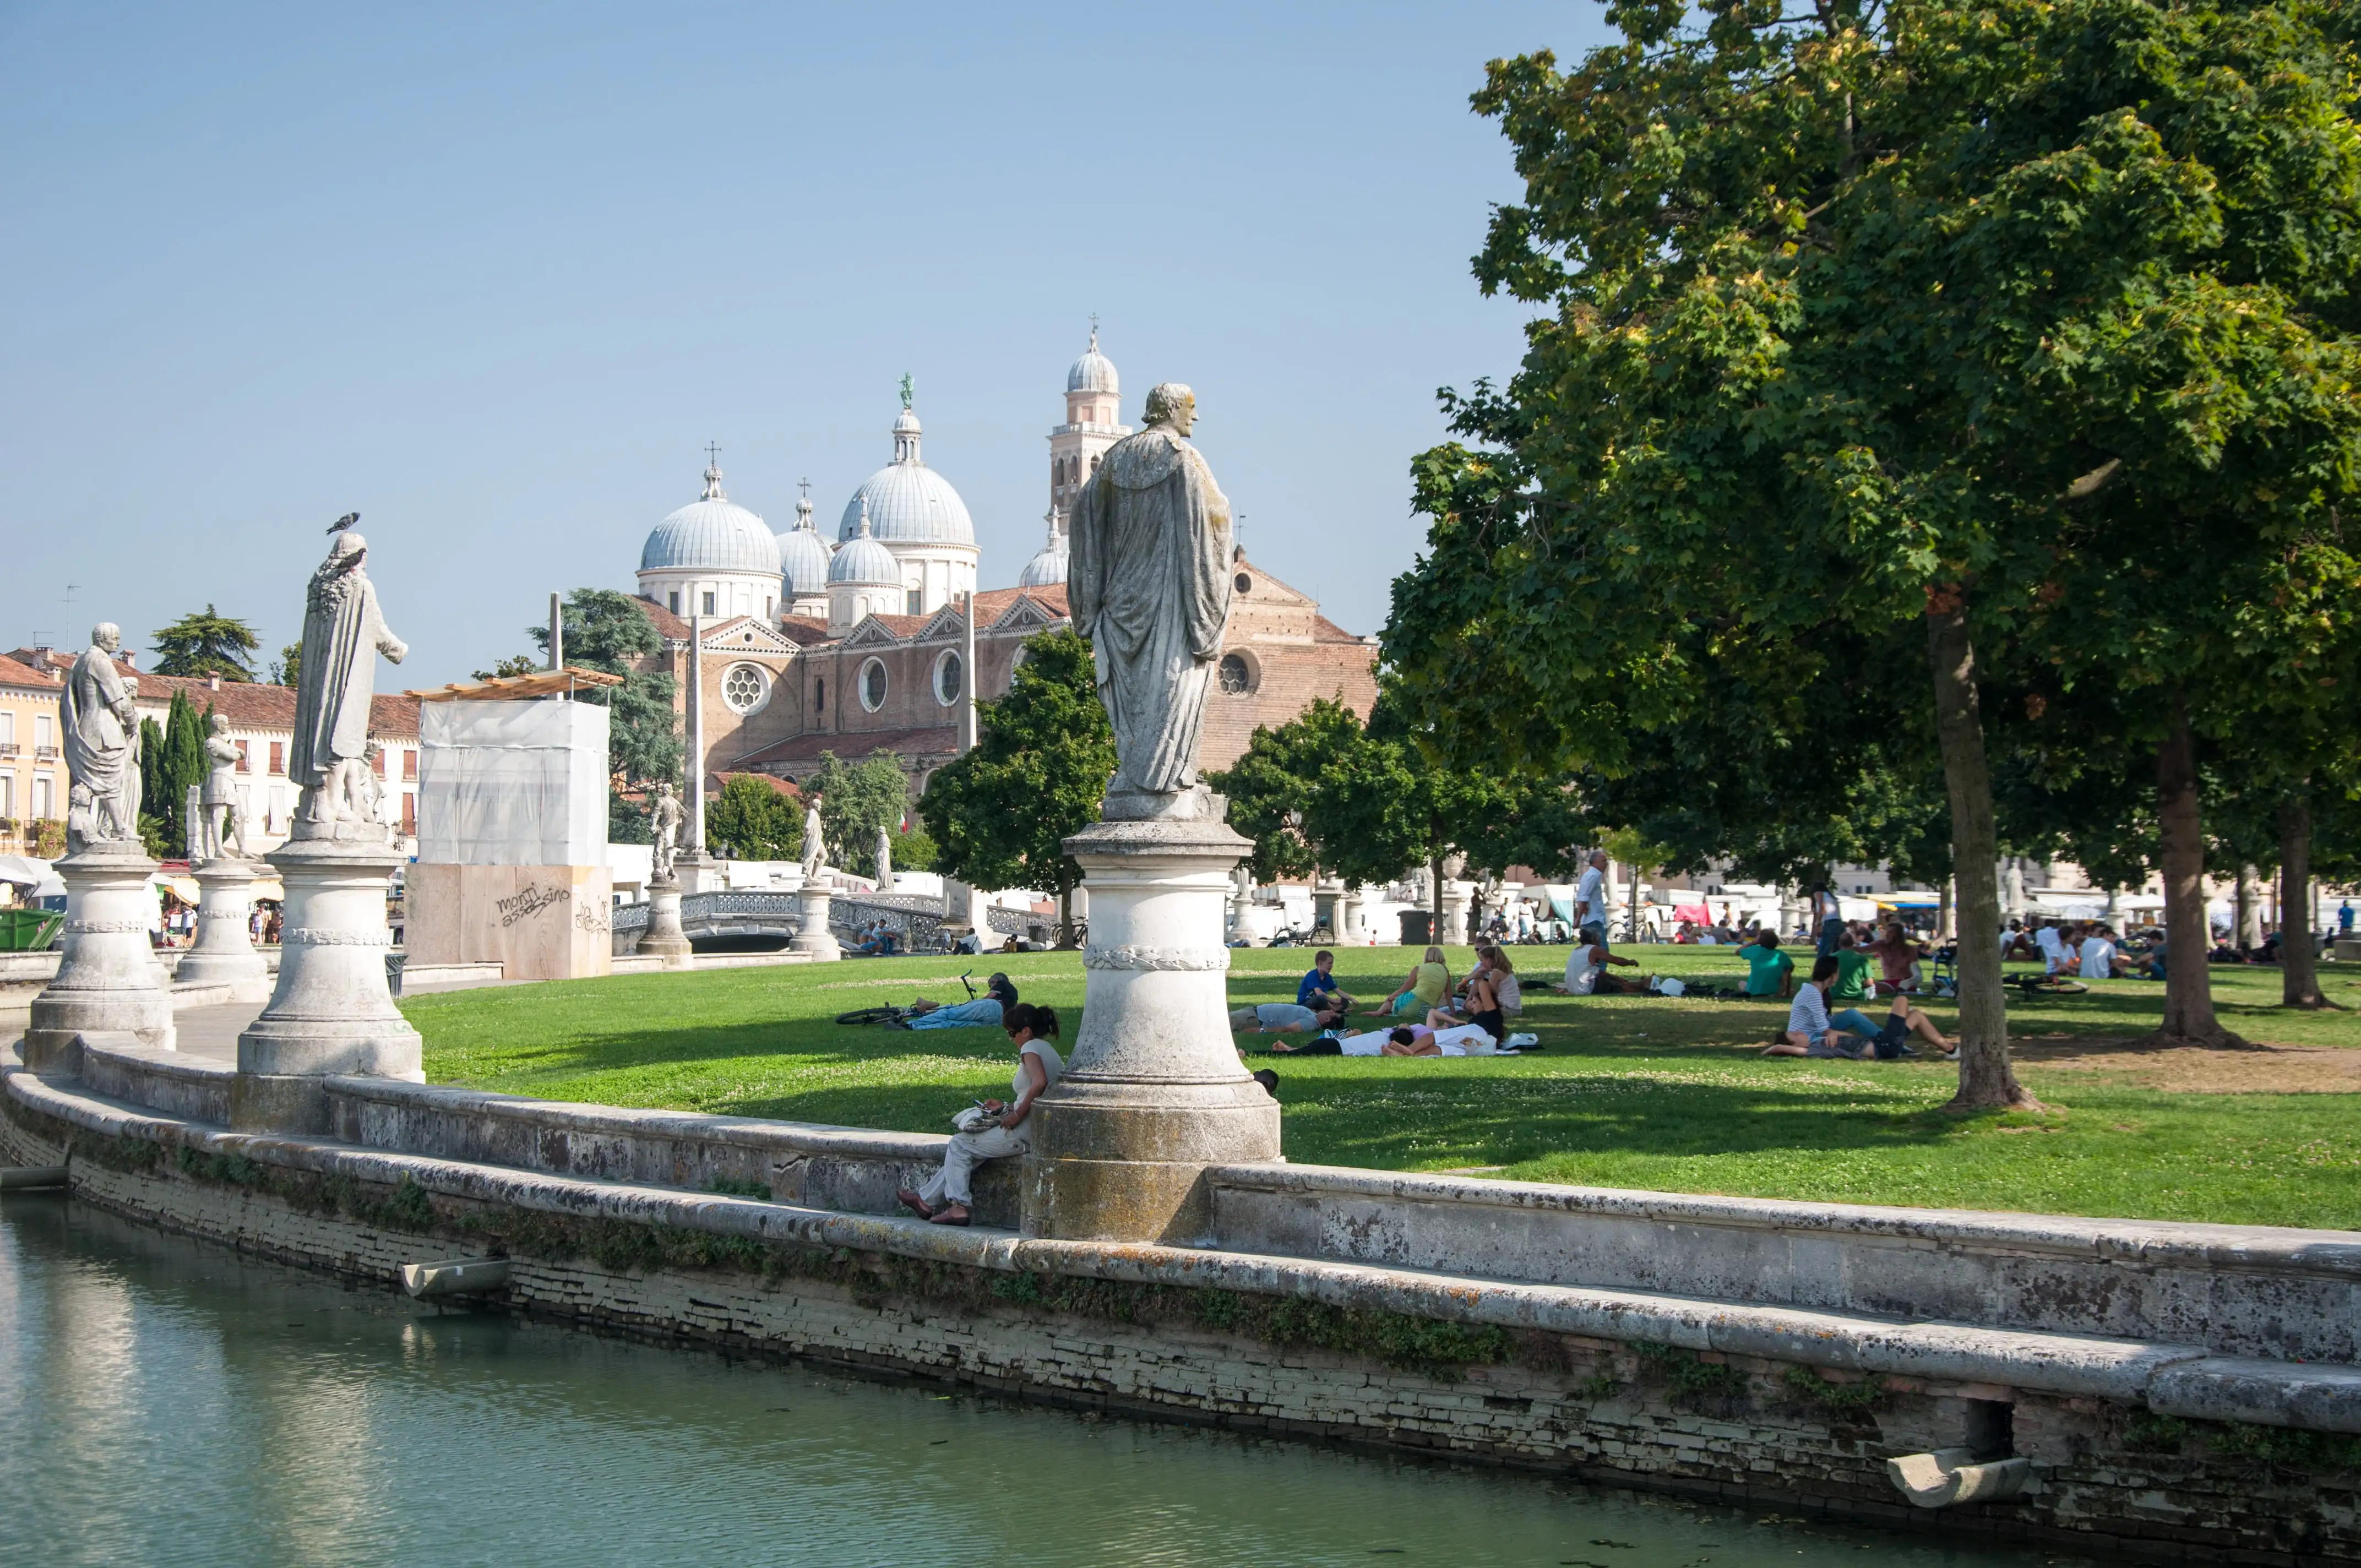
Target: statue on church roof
(1148, 580)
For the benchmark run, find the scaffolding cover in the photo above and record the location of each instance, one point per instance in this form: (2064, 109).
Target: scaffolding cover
(512, 784)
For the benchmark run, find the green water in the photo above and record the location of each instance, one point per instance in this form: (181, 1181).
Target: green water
(164, 1401)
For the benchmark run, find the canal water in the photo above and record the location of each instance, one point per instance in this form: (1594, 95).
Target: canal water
(165, 1401)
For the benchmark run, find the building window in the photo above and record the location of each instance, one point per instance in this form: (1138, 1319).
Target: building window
(1237, 675)
(1244, 584)
(672, 601)
(7, 795)
(873, 686)
(820, 696)
(8, 730)
(278, 756)
(708, 601)
(44, 796)
(45, 732)
(949, 678)
(770, 607)
(409, 762)
(382, 764)
(245, 756)
(745, 687)
(917, 601)
(408, 813)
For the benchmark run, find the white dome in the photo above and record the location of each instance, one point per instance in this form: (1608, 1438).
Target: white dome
(1093, 372)
(861, 562)
(712, 534)
(804, 555)
(907, 502)
(1047, 567)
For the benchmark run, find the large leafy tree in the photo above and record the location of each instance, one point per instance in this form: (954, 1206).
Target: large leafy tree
(1271, 784)
(858, 798)
(1852, 314)
(756, 819)
(610, 631)
(206, 642)
(1000, 815)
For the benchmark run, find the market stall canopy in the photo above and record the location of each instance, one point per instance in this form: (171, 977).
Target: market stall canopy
(518, 688)
(1910, 901)
(34, 878)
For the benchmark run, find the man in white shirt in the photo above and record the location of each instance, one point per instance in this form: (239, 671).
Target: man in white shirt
(2053, 948)
(1585, 970)
(1590, 898)
(2098, 954)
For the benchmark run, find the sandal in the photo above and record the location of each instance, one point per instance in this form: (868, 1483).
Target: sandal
(944, 1215)
(913, 1202)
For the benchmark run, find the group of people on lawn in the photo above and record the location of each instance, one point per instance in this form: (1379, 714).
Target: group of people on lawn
(1449, 1018)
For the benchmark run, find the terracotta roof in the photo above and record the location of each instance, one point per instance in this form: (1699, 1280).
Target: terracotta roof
(802, 632)
(1326, 630)
(784, 786)
(852, 745)
(253, 705)
(991, 605)
(12, 673)
(668, 626)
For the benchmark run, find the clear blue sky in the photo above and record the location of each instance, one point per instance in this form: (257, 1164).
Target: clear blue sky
(494, 276)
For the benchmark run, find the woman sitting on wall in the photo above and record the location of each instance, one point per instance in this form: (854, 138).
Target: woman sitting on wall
(994, 1130)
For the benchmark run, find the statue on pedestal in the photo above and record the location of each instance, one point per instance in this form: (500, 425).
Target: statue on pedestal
(664, 820)
(102, 746)
(343, 633)
(885, 861)
(814, 841)
(220, 797)
(1149, 584)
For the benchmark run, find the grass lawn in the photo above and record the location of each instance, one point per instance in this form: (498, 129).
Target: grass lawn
(1641, 1093)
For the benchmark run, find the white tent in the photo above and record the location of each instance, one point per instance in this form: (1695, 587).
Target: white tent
(32, 878)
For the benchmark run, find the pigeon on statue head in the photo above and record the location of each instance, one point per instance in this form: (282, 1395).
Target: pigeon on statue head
(344, 522)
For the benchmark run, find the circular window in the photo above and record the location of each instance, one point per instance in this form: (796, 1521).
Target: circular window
(745, 687)
(950, 678)
(873, 685)
(1237, 675)
(1244, 584)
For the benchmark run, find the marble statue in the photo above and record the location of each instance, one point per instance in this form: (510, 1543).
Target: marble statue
(1149, 579)
(884, 859)
(815, 842)
(220, 797)
(664, 819)
(102, 746)
(343, 633)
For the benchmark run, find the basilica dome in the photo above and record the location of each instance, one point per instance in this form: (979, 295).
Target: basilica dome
(861, 560)
(1093, 372)
(1047, 567)
(804, 555)
(907, 502)
(712, 533)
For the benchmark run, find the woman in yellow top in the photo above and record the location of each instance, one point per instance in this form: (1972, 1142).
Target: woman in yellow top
(1426, 987)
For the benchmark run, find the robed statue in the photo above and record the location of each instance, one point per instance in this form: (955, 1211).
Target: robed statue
(884, 859)
(664, 821)
(1148, 581)
(102, 746)
(343, 635)
(815, 842)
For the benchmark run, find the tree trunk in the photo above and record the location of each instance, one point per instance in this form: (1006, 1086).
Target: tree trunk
(1986, 1080)
(1946, 925)
(2188, 980)
(1435, 930)
(2250, 909)
(1065, 916)
(2298, 962)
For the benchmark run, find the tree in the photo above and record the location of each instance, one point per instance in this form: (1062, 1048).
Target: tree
(1854, 314)
(171, 758)
(758, 820)
(513, 666)
(858, 799)
(607, 630)
(206, 642)
(287, 670)
(1000, 814)
(1270, 785)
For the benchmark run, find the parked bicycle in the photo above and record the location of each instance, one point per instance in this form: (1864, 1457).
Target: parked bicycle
(893, 1016)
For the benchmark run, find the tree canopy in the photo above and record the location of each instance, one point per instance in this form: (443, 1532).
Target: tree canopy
(858, 799)
(755, 818)
(607, 631)
(206, 642)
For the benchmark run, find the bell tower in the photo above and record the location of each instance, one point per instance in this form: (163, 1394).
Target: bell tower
(1093, 407)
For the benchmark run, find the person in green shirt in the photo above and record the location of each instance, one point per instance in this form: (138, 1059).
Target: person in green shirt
(1852, 982)
(1769, 972)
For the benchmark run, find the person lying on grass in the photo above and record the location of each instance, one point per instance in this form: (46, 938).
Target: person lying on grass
(1003, 1129)
(1481, 1006)
(999, 995)
(1408, 1040)
(1282, 1018)
(1810, 1032)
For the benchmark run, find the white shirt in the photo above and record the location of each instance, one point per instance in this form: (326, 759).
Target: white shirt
(2052, 946)
(1583, 967)
(2097, 954)
(1590, 898)
(1808, 1015)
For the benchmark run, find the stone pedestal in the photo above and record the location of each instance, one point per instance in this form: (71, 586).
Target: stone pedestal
(664, 935)
(223, 953)
(1457, 898)
(108, 978)
(332, 1012)
(1155, 1092)
(813, 939)
(1327, 924)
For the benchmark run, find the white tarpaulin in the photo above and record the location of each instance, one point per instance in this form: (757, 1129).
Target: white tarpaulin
(512, 784)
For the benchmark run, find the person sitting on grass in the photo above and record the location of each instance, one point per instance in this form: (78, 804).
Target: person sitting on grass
(1769, 972)
(1897, 959)
(1282, 1018)
(1481, 1007)
(1428, 983)
(2098, 954)
(1852, 983)
(1006, 1130)
(1849, 1035)
(1585, 972)
(1506, 987)
(999, 995)
(1318, 987)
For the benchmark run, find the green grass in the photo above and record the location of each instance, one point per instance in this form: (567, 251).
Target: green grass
(1631, 1093)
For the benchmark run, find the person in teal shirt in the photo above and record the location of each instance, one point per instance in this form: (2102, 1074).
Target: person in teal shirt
(1769, 972)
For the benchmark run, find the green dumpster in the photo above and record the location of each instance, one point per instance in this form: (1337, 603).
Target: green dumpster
(28, 930)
